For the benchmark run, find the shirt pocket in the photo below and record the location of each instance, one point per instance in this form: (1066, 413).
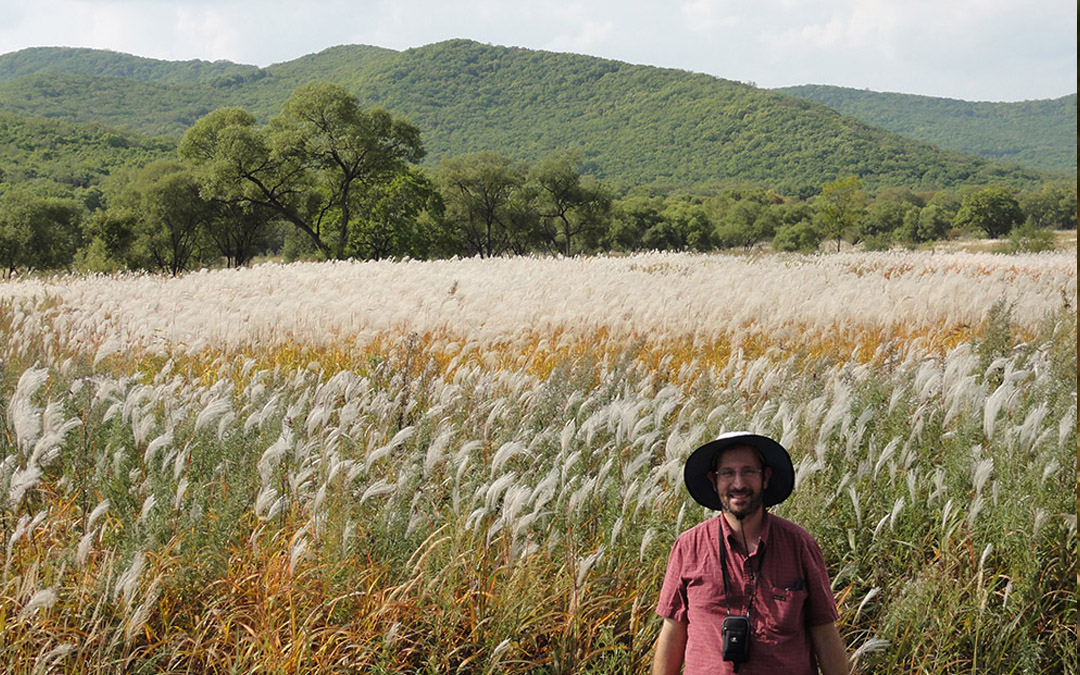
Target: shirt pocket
(782, 611)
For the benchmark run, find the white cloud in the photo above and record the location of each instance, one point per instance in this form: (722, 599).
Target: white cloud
(707, 15)
(587, 37)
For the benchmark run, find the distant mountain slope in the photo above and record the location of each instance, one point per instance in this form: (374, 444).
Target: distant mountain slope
(114, 64)
(636, 124)
(79, 156)
(1040, 134)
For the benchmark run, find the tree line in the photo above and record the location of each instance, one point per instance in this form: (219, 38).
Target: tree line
(329, 179)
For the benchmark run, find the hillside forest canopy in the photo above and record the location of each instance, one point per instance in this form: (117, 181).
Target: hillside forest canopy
(327, 178)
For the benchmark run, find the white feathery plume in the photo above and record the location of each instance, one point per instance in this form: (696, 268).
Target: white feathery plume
(181, 460)
(377, 489)
(136, 398)
(1052, 467)
(297, 552)
(1067, 426)
(147, 506)
(496, 488)
(855, 504)
(212, 411)
(23, 526)
(111, 346)
(162, 441)
(435, 450)
(268, 504)
(616, 529)
(22, 481)
(879, 527)
(871, 646)
(647, 539)
(586, 564)
(225, 425)
(545, 489)
(42, 600)
(1041, 516)
(142, 425)
(976, 507)
(980, 473)
(982, 558)
(181, 488)
(635, 465)
(45, 662)
(141, 615)
(886, 455)
(272, 456)
(399, 438)
(898, 505)
(504, 454)
(870, 595)
(54, 429)
(994, 403)
(98, 511)
(82, 552)
(1029, 430)
(24, 415)
(128, 581)
(841, 404)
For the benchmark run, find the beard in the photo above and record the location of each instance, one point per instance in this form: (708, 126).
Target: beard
(751, 500)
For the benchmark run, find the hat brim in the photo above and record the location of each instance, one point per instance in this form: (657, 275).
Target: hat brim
(700, 463)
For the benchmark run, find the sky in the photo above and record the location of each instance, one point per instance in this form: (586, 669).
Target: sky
(976, 50)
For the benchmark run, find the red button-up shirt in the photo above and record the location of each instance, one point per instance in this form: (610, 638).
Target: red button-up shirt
(791, 592)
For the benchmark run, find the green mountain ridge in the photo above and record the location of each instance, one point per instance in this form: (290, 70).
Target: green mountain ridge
(86, 61)
(632, 124)
(1040, 133)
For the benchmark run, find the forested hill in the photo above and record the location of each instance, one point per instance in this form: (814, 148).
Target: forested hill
(633, 124)
(1034, 133)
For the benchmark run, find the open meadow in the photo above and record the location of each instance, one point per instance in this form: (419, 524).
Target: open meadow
(475, 465)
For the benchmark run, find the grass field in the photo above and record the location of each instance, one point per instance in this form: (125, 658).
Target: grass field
(475, 465)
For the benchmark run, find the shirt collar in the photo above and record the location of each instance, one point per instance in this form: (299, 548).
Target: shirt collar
(763, 538)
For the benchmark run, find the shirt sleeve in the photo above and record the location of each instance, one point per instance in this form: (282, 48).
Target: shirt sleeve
(672, 603)
(820, 604)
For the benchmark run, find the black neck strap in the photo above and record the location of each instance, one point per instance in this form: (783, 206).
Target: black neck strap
(727, 578)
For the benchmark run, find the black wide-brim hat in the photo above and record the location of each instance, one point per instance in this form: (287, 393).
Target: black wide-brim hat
(701, 461)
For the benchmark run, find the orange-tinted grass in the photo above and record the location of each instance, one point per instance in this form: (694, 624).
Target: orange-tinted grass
(539, 354)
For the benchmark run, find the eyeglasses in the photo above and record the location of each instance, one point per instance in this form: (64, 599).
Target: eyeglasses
(728, 475)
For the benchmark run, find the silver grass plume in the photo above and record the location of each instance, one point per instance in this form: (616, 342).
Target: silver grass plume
(24, 415)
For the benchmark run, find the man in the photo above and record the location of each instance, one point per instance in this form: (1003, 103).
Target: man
(748, 571)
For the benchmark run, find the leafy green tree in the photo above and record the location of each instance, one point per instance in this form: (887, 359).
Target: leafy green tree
(883, 222)
(240, 230)
(37, 232)
(392, 224)
(684, 225)
(930, 223)
(1052, 207)
(346, 149)
(1030, 238)
(107, 243)
(803, 236)
(992, 210)
(312, 165)
(793, 213)
(840, 206)
(478, 190)
(110, 234)
(169, 217)
(747, 223)
(523, 226)
(632, 217)
(569, 205)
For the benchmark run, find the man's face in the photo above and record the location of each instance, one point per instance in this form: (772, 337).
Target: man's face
(740, 480)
